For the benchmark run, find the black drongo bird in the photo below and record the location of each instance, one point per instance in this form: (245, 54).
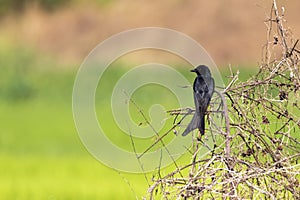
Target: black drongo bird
(203, 88)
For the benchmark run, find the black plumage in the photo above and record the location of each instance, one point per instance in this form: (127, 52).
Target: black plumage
(203, 88)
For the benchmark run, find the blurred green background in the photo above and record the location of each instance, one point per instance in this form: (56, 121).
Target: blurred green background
(42, 44)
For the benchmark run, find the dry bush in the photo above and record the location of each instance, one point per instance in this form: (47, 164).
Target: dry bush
(259, 154)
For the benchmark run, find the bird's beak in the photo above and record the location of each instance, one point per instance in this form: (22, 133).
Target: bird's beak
(193, 70)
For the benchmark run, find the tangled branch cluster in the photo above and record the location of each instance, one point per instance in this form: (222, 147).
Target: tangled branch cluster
(259, 154)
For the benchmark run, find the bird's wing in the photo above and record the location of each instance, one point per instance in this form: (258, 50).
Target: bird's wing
(201, 91)
(211, 87)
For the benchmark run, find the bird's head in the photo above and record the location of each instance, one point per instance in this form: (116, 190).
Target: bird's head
(202, 70)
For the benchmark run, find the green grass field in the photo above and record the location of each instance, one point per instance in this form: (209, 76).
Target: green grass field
(41, 155)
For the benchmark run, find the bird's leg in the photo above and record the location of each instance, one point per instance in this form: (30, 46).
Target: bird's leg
(199, 136)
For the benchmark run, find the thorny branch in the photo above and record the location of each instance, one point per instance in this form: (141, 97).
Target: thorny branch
(259, 154)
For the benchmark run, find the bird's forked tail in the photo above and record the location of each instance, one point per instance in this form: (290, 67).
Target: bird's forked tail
(196, 122)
